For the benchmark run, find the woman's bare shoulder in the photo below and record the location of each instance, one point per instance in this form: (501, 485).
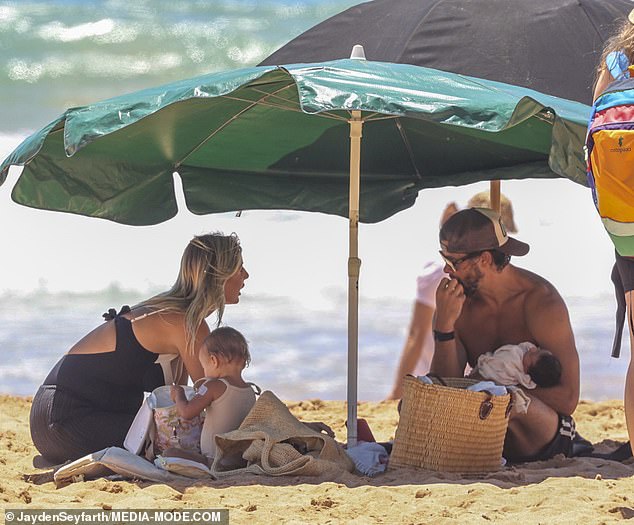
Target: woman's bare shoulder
(159, 332)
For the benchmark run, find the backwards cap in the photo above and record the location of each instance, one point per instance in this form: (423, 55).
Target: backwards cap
(478, 229)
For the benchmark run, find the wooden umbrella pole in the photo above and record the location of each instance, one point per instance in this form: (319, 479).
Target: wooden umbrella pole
(495, 196)
(354, 267)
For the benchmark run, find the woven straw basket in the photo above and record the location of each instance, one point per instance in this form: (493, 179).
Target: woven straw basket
(448, 428)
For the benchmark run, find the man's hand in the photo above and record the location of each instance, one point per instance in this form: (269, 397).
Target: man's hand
(449, 300)
(450, 357)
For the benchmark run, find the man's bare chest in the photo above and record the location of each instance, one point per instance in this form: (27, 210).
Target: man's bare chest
(484, 329)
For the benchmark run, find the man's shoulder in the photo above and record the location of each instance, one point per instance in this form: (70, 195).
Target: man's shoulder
(540, 295)
(536, 285)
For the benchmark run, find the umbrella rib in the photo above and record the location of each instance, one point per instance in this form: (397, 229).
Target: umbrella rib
(324, 114)
(298, 106)
(590, 20)
(275, 95)
(260, 103)
(225, 124)
(408, 146)
(414, 31)
(373, 118)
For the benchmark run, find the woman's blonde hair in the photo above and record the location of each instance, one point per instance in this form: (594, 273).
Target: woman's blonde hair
(483, 200)
(207, 262)
(622, 40)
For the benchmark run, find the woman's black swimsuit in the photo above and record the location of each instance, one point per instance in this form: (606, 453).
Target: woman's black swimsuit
(88, 401)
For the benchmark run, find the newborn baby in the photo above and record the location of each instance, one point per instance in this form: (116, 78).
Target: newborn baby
(524, 364)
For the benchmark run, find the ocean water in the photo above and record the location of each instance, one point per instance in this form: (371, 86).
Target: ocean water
(60, 272)
(297, 353)
(63, 53)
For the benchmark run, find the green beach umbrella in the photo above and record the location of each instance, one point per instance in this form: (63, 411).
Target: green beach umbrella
(349, 137)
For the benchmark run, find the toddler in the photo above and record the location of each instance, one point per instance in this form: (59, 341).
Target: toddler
(224, 394)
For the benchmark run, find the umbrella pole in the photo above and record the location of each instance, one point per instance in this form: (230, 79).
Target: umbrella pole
(354, 267)
(494, 193)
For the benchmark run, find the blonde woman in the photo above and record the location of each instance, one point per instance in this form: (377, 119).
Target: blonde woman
(91, 396)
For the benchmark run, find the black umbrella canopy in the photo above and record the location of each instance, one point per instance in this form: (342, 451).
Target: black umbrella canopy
(552, 46)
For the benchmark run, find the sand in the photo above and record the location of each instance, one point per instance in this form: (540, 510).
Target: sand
(571, 491)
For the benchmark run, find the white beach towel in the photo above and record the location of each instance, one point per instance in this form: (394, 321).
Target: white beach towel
(108, 461)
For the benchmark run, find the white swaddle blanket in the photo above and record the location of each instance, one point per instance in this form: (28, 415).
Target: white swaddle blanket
(505, 367)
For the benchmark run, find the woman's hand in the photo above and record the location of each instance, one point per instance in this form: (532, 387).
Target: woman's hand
(320, 427)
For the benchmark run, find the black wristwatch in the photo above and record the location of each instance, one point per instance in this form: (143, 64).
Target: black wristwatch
(444, 336)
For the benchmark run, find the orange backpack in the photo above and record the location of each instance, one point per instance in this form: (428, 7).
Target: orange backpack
(610, 162)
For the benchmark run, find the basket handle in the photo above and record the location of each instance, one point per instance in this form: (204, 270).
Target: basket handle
(486, 407)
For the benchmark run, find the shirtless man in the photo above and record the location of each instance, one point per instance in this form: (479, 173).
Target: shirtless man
(485, 303)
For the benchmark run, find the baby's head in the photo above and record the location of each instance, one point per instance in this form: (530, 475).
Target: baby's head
(222, 346)
(543, 367)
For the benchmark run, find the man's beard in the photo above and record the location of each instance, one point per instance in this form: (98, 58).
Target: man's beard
(470, 282)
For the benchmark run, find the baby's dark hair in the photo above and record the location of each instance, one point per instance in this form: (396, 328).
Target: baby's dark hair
(228, 343)
(546, 372)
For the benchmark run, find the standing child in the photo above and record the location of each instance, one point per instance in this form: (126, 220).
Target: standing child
(225, 395)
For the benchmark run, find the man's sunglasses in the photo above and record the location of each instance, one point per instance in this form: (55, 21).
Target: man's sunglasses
(453, 263)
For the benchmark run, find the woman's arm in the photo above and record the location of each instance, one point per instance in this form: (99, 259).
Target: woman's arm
(191, 359)
(602, 82)
(420, 326)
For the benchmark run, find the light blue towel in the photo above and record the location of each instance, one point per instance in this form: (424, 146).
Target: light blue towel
(489, 386)
(369, 458)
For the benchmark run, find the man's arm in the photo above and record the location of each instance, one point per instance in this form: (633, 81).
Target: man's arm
(549, 324)
(419, 327)
(450, 358)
